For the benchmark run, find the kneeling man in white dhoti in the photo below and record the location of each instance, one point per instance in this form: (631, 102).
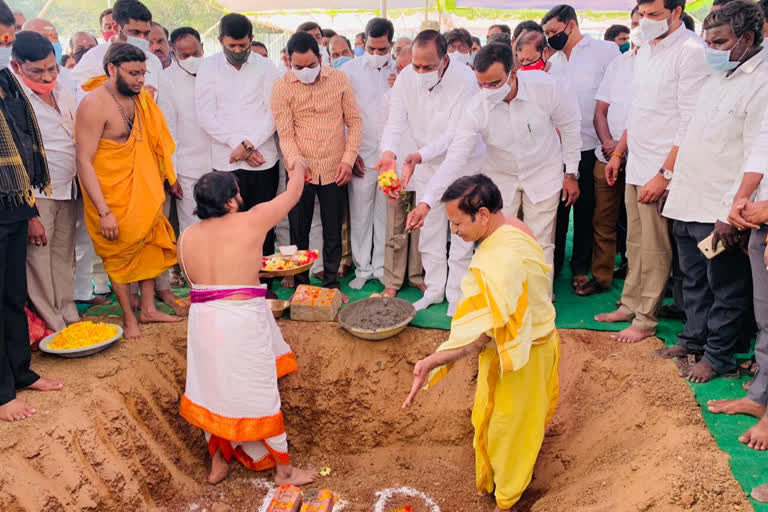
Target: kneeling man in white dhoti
(235, 351)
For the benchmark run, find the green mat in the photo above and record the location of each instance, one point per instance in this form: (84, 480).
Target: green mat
(574, 312)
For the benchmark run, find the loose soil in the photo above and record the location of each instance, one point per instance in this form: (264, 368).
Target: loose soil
(627, 435)
(377, 313)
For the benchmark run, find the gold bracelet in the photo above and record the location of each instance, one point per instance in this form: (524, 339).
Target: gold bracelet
(620, 155)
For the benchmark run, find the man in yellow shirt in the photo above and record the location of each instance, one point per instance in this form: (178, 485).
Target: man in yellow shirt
(506, 315)
(123, 152)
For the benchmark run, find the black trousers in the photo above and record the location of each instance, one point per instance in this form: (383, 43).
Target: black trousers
(258, 187)
(581, 259)
(15, 354)
(717, 296)
(332, 199)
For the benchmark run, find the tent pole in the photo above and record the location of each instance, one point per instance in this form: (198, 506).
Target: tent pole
(426, 10)
(45, 8)
(383, 8)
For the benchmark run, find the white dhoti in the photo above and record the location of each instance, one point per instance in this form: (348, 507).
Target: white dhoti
(235, 354)
(368, 225)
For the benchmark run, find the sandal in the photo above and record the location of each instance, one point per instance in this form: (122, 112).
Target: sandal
(591, 287)
(579, 281)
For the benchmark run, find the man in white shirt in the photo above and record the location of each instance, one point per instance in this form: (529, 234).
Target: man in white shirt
(583, 61)
(669, 65)
(609, 221)
(232, 97)
(459, 45)
(50, 266)
(369, 77)
(517, 116)
(429, 98)
(192, 158)
(134, 22)
(731, 106)
(159, 45)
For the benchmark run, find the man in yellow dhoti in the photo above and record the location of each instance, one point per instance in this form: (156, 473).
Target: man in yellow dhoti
(123, 151)
(506, 315)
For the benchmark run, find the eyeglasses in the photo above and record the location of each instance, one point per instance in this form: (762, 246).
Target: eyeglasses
(458, 47)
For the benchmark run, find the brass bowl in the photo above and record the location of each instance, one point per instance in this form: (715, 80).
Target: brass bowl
(278, 307)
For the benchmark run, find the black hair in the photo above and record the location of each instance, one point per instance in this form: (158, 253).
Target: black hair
(156, 24)
(426, 37)
(236, 26)
(459, 34)
(126, 10)
(474, 192)
(562, 12)
(501, 38)
(529, 25)
(328, 32)
(722, 2)
(184, 32)
(104, 13)
(741, 16)
(688, 22)
(64, 59)
(7, 18)
(501, 26)
(120, 52)
(346, 41)
(260, 45)
(494, 52)
(362, 36)
(31, 47)
(377, 27)
(476, 39)
(635, 9)
(212, 192)
(309, 25)
(669, 5)
(302, 42)
(763, 4)
(537, 38)
(614, 31)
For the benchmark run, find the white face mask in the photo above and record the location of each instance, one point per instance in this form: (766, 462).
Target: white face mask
(5, 57)
(376, 61)
(461, 58)
(191, 64)
(494, 96)
(307, 75)
(635, 37)
(651, 29)
(141, 44)
(429, 80)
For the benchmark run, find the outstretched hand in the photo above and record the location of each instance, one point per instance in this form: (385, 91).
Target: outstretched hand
(420, 374)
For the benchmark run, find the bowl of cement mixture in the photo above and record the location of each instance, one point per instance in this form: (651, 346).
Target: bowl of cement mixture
(377, 318)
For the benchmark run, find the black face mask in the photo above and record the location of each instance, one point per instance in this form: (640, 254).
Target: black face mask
(237, 58)
(558, 41)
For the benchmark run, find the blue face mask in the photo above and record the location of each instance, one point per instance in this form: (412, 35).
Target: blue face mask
(341, 61)
(720, 60)
(624, 48)
(5, 57)
(57, 51)
(359, 51)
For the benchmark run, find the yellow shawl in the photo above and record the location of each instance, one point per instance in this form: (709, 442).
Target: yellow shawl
(506, 296)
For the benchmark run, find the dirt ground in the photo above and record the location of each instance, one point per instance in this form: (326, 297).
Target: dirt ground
(627, 435)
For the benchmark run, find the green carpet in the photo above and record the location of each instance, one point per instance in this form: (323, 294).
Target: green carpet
(574, 312)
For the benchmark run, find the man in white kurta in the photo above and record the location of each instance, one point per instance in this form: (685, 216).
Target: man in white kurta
(517, 116)
(429, 98)
(369, 77)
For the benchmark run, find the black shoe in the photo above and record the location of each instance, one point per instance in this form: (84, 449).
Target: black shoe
(620, 272)
(672, 311)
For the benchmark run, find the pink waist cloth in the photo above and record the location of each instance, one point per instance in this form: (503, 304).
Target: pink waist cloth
(197, 296)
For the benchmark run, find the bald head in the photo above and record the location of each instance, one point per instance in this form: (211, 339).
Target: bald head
(405, 57)
(400, 43)
(43, 27)
(80, 40)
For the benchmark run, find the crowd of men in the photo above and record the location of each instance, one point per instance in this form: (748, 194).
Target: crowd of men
(655, 137)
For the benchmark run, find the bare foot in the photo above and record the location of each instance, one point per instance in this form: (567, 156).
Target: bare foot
(131, 329)
(615, 316)
(740, 406)
(499, 509)
(760, 493)
(172, 301)
(288, 282)
(96, 301)
(135, 302)
(16, 410)
(672, 352)
(220, 468)
(701, 372)
(422, 287)
(344, 298)
(757, 437)
(389, 292)
(46, 384)
(632, 334)
(147, 317)
(293, 476)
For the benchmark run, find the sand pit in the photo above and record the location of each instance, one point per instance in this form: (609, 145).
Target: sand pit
(627, 435)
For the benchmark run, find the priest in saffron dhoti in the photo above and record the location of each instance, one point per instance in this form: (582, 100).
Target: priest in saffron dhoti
(506, 315)
(123, 151)
(235, 351)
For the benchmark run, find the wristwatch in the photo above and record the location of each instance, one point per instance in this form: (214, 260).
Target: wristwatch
(575, 175)
(665, 173)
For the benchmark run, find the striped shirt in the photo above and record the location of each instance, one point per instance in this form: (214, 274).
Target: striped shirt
(310, 121)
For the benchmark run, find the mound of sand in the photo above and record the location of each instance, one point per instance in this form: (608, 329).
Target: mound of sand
(627, 435)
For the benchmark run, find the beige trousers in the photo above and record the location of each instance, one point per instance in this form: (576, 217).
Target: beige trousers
(649, 256)
(401, 253)
(51, 268)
